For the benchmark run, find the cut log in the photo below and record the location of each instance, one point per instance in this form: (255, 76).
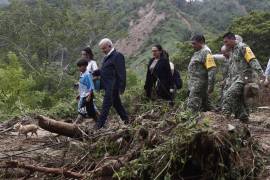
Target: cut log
(61, 128)
(58, 171)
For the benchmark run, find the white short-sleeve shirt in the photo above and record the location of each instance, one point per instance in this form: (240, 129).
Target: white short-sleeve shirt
(92, 66)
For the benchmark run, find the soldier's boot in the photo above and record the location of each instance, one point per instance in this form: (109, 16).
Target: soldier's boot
(226, 113)
(194, 104)
(242, 115)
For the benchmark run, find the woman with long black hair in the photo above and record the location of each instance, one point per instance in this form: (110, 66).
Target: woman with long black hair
(159, 81)
(88, 54)
(92, 65)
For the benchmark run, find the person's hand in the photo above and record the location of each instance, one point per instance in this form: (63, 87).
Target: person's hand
(171, 90)
(78, 97)
(262, 77)
(96, 73)
(266, 81)
(263, 80)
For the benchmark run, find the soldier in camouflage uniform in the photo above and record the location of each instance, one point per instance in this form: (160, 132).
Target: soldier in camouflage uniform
(244, 69)
(225, 65)
(201, 70)
(223, 60)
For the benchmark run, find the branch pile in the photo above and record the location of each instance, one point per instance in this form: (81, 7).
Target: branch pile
(160, 143)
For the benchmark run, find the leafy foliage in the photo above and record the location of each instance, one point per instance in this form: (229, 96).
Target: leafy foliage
(52, 31)
(217, 15)
(182, 57)
(45, 38)
(16, 87)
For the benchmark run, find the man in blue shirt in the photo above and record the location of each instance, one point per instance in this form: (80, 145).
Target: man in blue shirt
(86, 92)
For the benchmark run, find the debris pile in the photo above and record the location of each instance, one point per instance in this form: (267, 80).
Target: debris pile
(160, 143)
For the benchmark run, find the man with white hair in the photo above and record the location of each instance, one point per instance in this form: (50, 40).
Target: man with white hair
(113, 81)
(224, 62)
(238, 38)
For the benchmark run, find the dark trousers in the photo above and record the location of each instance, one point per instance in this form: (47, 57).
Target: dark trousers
(111, 98)
(89, 106)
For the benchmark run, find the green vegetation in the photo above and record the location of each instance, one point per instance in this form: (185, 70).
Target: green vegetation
(40, 41)
(45, 38)
(211, 17)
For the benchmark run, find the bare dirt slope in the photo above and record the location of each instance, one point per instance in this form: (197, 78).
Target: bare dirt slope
(184, 20)
(140, 29)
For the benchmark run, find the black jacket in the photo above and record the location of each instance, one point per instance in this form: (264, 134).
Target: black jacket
(163, 76)
(113, 72)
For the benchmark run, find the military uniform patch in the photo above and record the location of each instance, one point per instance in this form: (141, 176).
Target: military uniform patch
(249, 55)
(210, 62)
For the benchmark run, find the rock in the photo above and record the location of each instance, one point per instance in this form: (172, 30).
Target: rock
(231, 127)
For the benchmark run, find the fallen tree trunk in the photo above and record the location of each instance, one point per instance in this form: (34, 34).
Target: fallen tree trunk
(58, 171)
(61, 128)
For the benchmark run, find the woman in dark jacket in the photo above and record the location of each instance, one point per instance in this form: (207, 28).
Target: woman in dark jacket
(159, 78)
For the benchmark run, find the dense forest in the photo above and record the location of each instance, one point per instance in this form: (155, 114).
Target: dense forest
(41, 40)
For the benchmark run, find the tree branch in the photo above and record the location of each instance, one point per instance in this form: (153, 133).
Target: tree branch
(58, 171)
